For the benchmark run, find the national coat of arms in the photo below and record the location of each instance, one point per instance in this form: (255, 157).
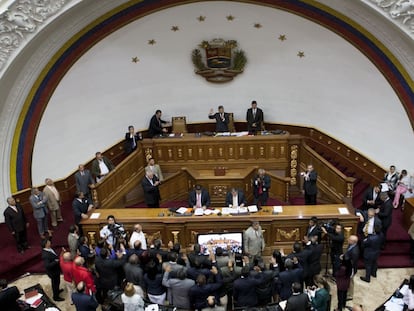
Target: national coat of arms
(220, 64)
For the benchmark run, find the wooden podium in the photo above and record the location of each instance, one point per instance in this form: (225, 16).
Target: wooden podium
(219, 184)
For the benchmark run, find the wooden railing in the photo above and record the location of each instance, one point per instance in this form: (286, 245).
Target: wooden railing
(331, 182)
(111, 191)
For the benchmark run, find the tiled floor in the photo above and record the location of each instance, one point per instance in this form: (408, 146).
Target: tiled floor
(370, 295)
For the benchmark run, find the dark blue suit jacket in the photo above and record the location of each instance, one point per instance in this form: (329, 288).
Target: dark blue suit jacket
(84, 302)
(241, 199)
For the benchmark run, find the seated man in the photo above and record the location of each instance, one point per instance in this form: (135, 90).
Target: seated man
(235, 198)
(199, 198)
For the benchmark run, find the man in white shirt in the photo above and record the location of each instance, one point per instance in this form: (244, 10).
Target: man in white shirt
(101, 166)
(138, 235)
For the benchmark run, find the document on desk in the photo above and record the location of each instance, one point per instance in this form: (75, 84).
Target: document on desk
(394, 304)
(343, 211)
(95, 216)
(198, 212)
(277, 209)
(181, 210)
(252, 208)
(33, 299)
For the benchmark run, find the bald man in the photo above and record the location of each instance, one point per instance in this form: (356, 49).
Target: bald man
(66, 265)
(352, 255)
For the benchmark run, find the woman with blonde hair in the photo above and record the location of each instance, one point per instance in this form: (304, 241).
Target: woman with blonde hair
(131, 300)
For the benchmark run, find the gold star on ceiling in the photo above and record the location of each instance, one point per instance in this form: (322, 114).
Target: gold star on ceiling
(175, 28)
(282, 37)
(301, 54)
(257, 25)
(201, 18)
(135, 59)
(230, 18)
(152, 42)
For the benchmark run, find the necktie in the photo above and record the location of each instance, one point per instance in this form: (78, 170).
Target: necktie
(198, 199)
(254, 113)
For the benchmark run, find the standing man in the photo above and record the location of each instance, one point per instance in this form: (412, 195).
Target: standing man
(52, 266)
(155, 168)
(384, 213)
(150, 184)
(82, 300)
(39, 204)
(254, 242)
(157, 126)
(336, 237)
(371, 198)
(261, 186)
(84, 180)
(235, 198)
(391, 178)
(53, 201)
(199, 198)
(372, 248)
(81, 206)
(138, 235)
(309, 185)
(131, 140)
(101, 166)
(254, 118)
(16, 222)
(352, 255)
(222, 119)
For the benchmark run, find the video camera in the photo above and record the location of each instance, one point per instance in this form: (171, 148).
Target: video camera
(329, 225)
(117, 230)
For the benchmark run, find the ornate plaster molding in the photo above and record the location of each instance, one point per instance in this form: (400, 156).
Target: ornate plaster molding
(21, 20)
(401, 12)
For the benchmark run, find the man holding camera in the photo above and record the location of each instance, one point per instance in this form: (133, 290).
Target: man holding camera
(335, 235)
(112, 232)
(261, 186)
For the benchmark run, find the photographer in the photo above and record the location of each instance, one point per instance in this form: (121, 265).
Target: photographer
(261, 186)
(333, 231)
(113, 232)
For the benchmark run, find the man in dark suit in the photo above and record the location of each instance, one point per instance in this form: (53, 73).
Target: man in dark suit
(314, 229)
(299, 301)
(16, 222)
(244, 288)
(352, 255)
(261, 186)
(83, 180)
(372, 248)
(254, 118)
(81, 206)
(199, 198)
(52, 266)
(368, 221)
(309, 185)
(222, 119)
(150, 184)
(314, 259)
(157, 126)
(83, 301)
(9, 296)
(287, 278)
(131, 140)
(385, 215)
(199, 292)
(371, 198)
(235, 198)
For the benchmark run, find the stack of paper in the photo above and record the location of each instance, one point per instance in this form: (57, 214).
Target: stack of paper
(95, 215)
(252, 208)
(198, 212)
(277, 209)
(181, 210)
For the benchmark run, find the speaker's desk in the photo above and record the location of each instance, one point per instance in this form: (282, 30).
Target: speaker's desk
(280, 230)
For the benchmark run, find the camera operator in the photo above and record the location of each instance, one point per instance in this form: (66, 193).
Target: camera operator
(334, 232)
(113, 232)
